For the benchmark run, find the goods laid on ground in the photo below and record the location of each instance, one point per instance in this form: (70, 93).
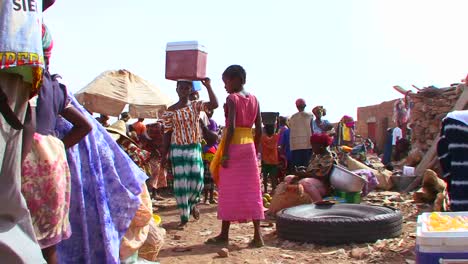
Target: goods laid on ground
(266, 200)
(288, 195)
(433, 190)
(338, 224)
(441, 236)
(440, 222)
(345, 180)
(401, 182)
(349, 197)
(383, 176)
(185, 60)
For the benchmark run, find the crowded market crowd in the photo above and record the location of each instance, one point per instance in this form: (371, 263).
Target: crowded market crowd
(76, 189)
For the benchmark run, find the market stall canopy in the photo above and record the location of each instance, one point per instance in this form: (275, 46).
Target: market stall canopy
(111, 91)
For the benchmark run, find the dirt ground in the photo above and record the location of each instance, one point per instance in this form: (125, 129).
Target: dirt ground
(188, 246)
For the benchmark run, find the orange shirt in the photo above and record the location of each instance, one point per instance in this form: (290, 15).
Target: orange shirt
(270, 149)
(139, 127)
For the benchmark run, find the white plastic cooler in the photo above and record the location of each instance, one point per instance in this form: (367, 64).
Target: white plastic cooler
(440, 247)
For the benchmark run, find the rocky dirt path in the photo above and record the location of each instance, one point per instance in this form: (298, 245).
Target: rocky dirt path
(188, 246)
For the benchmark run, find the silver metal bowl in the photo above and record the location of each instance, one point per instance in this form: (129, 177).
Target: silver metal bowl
(345, 180)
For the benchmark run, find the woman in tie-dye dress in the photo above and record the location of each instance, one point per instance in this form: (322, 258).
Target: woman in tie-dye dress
(182, 136)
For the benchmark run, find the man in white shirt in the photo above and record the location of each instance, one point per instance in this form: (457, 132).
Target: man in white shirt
(300, 133)
(396, 135)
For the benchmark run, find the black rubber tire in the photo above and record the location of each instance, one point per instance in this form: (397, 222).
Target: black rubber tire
(338, 224)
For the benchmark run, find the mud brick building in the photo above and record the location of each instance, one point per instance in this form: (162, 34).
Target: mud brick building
(431, 105)
(373, 122)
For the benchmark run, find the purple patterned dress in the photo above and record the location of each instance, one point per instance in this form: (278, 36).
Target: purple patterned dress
(104, 195)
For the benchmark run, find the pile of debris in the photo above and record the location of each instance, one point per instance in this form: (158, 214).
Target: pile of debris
(431, 105)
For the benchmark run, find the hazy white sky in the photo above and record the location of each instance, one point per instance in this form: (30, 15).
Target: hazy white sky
(338, 53)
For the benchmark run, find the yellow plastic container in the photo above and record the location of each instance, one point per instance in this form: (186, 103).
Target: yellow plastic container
(157, 219)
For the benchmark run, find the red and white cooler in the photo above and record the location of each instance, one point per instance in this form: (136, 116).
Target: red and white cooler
(185, 60)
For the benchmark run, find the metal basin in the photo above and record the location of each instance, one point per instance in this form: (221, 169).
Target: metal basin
(344, 180)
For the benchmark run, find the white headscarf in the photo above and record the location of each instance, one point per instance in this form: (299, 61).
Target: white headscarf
(461, 116)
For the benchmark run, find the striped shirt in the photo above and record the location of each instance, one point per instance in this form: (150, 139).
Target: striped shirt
(452, 150)
(184, 123)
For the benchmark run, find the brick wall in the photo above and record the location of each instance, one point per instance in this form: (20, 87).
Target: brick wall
(381, 115)
(430, 107)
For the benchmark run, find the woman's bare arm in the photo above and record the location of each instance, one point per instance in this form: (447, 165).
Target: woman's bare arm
(231, 126)
(81, 126)
(258, 130)
(213, 103)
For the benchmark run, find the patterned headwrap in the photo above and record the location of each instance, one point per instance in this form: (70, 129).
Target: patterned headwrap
(322, 139)
(317, 109)
(47, 43)
(348, 121)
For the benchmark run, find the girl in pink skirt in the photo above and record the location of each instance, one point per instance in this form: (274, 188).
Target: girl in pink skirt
(235, 167)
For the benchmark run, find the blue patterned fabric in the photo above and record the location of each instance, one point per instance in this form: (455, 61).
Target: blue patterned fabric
(104, 195)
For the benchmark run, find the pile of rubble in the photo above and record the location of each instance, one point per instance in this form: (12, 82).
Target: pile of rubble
(431, 105)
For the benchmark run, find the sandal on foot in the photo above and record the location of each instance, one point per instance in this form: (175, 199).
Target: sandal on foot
(159, 198)
(216, 241)
(196, 213)
(256, 244)
(182, 225)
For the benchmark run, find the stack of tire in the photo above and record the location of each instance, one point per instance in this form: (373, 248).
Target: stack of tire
(338, 224)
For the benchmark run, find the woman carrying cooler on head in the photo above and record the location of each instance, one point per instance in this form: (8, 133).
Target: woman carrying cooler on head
(235, 167)
(182, 142)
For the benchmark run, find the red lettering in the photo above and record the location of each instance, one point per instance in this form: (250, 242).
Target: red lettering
(10, 59)
(22, 58)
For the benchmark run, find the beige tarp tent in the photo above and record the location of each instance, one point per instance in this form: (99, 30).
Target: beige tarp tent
(111, 91)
